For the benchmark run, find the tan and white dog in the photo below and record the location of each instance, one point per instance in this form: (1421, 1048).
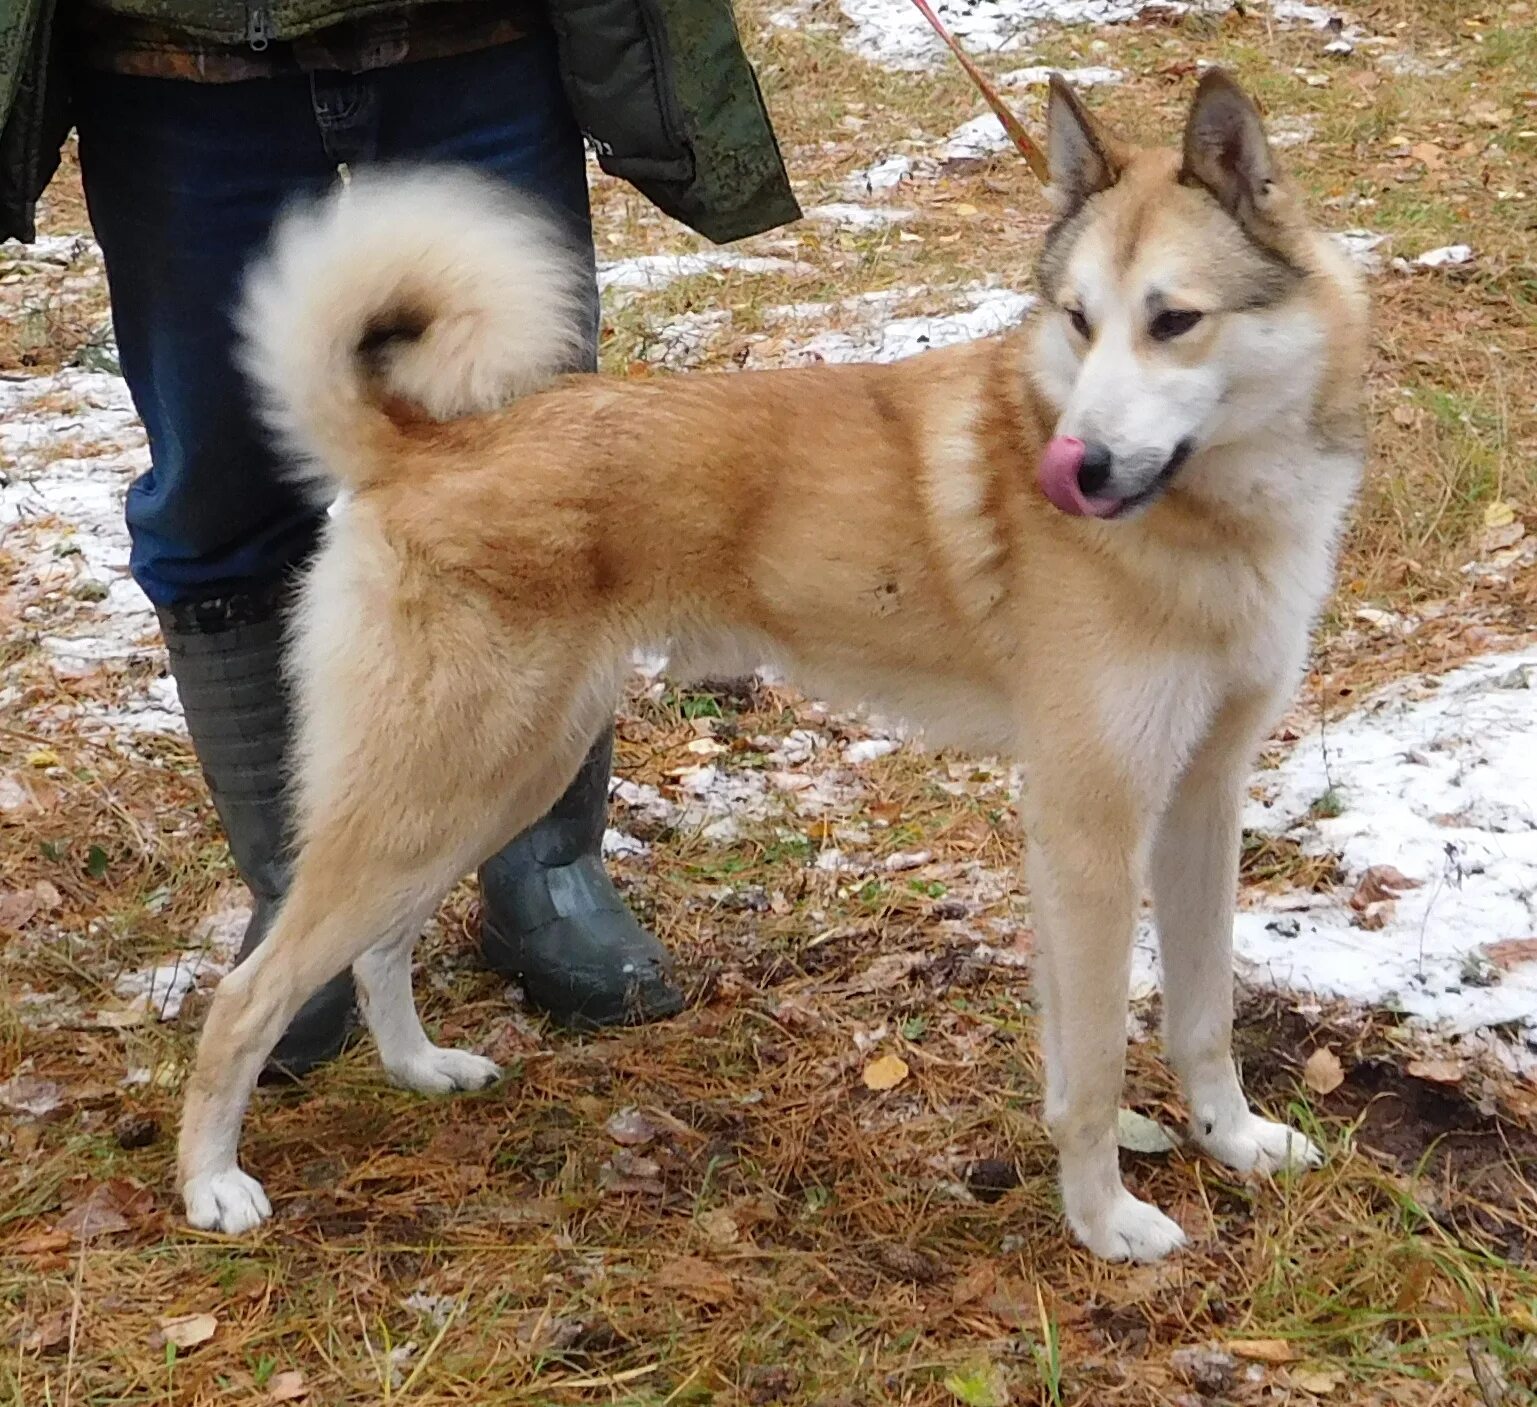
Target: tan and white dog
(1096, 545)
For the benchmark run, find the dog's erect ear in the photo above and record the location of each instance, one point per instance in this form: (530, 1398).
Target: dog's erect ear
(1083, 158)
(1225, 147)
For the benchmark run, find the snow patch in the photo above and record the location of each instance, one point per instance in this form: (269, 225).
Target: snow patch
(1446, 256)
(1291, 131)
(1094, 76)
(981, 136)
(645, 273)
(868, 749)
(886, 175)
(76, 444)
(1362, 246)
(165, 987)
(1437, 778)
(1413, 66)
(863, 328)
(991, 310)
(891, 33)
(621, 845)
(851, 216)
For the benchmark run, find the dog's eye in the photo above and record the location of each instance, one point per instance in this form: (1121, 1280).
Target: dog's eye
(1080, 323)
(1174, 323)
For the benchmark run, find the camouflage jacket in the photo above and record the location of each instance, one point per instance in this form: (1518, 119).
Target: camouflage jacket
(661, 88)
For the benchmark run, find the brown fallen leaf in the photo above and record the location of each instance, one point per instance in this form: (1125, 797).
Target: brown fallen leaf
(631, 1128)
(92, 1218)
(287, 1386)
(977, 1284)
(45, 1333)
(907, 1263)
(885, 1073)
(42, 1243)
(1440, 1072)
(1411, 1293)
(184, 1330)
(31, 1095)
(1380, 882)
(110, 1207)
(1511, 952)
(1318, 1382)
(1263, 1350)
(1487, 114)
(720, 1227)
(698, 1280)
(1374, 917)
(121, 1016)
(629, 1164)
(1323, 1074)
(1522, 1102)
(17, 909)
(888, 971)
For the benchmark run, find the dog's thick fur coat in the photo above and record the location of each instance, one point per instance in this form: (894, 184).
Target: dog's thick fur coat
(877, 532)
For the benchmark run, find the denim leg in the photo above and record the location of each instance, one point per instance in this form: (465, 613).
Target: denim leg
(502, 111)
(183, 181)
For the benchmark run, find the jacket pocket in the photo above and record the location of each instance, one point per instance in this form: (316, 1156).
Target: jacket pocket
(618, 75)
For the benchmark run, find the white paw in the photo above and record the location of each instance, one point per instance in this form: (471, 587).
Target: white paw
(228, 1201)
(439, 1070)
(1127, 1229)
(1258, 1145)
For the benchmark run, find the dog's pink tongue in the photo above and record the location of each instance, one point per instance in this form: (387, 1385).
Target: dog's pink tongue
(1061, 461)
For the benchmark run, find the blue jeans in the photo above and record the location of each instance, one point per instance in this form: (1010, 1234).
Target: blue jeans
(184, 181)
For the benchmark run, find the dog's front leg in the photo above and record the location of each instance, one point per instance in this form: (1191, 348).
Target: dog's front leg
(1195, 885)
(1087, 848)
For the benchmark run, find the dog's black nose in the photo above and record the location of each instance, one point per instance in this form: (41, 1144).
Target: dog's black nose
(1094, 472)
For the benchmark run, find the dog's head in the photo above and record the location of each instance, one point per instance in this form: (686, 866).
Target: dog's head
(1180, 294)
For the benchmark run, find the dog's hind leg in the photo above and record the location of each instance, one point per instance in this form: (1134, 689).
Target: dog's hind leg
(1195, 885)
(336, 908)
(408, 1055)
(364, 870)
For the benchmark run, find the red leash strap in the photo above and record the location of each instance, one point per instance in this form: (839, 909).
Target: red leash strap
(1028, 149)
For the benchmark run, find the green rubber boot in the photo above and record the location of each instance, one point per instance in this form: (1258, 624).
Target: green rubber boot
(552, 920)
(226, 657)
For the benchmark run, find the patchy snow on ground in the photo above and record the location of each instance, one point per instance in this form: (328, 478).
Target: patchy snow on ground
(852, 216)
(1037, 76)
(984, 311)
(1291, 130)
(891, 32)
(1362, 246)
(862, 328)
(886, 175)
(1407, 65)
(619, 279)
(1436, 778)
(73, 444)
(980, 136)
(160, 991)
(1445, 256)
(56, 251)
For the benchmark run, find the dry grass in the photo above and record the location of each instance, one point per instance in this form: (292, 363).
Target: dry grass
(785, 1234)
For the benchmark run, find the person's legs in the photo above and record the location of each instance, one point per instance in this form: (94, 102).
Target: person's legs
(550, 914)
(183, 181)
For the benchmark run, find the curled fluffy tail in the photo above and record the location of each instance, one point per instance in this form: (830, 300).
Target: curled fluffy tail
(435, 288)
